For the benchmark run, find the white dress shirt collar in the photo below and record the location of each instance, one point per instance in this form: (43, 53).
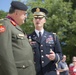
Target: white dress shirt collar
(37, 32)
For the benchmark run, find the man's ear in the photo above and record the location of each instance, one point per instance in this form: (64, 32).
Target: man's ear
(45, 21)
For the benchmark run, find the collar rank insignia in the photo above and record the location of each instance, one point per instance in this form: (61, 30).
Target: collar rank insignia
(2, 28)
(13, 22)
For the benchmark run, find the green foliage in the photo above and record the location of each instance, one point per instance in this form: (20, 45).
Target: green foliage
(2, 14)
(60, 19)
(73, 3)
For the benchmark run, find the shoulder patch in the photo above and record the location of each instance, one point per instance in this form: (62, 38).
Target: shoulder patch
(13, 22)
(2, 28)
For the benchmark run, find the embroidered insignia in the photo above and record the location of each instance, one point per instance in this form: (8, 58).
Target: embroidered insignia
(50, 40)
(21, 34)
(13, 22)
(37, 10)
(2, 28)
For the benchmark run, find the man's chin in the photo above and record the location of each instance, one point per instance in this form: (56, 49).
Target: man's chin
(38, 25)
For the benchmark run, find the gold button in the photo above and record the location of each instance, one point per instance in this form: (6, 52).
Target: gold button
(41, 50)
(23, 66)
(33, 52)
(42, 62)
(34, 62)
(21, 37)
(41, 45)
(42, 56)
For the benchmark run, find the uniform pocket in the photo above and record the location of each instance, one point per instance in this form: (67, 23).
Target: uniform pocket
(49, 45)
(24, 64)
(20, 36)
(34, 45)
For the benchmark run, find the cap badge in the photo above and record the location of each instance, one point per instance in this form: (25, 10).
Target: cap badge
(37, 10)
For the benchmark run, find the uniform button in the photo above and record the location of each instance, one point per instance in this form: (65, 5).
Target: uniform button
(41, 50)
(34, 62)
(42, 56)
(21, 37)
(33, 52)
(23, 66)
(42, 62)
(41, 45)
(50, 45)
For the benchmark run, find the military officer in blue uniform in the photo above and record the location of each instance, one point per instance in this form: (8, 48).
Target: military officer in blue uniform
(46, 46)
(16, 56)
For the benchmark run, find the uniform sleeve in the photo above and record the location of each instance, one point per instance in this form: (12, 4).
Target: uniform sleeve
(59, 65)
(58, 50)
(7, 63)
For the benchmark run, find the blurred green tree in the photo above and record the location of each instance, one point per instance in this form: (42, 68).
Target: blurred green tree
(60, 19)
(2, 14)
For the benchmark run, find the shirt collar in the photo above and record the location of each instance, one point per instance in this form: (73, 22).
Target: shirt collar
(37, 32)
(11, 18)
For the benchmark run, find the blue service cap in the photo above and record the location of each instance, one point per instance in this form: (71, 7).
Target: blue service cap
(18, 5)
(39, 11)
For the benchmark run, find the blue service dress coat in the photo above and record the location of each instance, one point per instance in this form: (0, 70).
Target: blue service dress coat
(43, 65)
(16, 56)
